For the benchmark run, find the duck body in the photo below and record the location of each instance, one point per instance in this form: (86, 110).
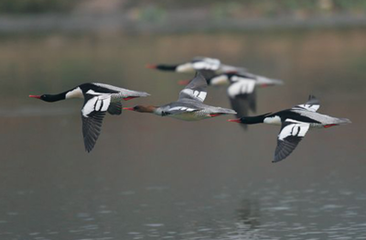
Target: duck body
(242, 84)
(189, 106)
(197, 63)
(248, 81)
(190, 110)
(315, 120)
(99, 98)
(295, 123)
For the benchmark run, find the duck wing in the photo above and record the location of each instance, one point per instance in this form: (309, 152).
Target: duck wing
(311, 105)
(207, 74)
(121, 92)
(179, 110)
(92, 115)
(240, 86)
(242, 103)
(195, 90)
(291, 133)
(115, 106)
(242, 96)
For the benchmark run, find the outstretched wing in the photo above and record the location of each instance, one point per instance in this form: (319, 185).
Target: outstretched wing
(242, 86)
(292, 132)
(195, 90)
(92, 114)
(207, 74)
(242, 93)
(311, 105)
(115, 107)
(242, 103)
(121, 92)
(200, 63)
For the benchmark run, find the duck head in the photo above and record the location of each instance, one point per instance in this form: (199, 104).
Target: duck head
(163, 67)
(142, 109)
(49, 97)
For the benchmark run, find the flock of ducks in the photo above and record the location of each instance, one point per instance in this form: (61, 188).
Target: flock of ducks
(100, 98)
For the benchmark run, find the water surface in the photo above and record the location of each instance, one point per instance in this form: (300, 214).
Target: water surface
(159, 178)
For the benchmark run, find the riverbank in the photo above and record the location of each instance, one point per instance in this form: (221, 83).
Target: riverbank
(172, 22)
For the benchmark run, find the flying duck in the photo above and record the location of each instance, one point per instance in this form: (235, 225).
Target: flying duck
(295, 123)
(241, 91)
(197, 63)
(99, 98)
(189, 106)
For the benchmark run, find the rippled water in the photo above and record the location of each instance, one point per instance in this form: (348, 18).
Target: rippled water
(158, 178)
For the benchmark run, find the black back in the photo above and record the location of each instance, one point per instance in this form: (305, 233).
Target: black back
(288, 113)
(164, 67)
(90, 86)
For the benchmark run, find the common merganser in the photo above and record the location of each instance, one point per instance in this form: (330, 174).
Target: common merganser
(189, 106)
(99, 98)
(197, 63)
(295, 123)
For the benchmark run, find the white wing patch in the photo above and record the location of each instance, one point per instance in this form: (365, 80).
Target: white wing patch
(207, 63)
(309, 107)
(294, 129)
(199, 95)
(241, 87)
(97, 104)
(185, 109)
(292, 132)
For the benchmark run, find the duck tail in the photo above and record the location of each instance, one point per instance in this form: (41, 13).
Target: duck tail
(343, 121)
(226, 111)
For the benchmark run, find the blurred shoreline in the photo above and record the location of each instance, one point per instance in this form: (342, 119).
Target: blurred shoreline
(174, 22)
(161, 16)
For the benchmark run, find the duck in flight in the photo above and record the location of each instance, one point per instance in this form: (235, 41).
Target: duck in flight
(242, 84)
(189, 106)
(295, 123)
(242, 88)
(197, 63)
(99, 98)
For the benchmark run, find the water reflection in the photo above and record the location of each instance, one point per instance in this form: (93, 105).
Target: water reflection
(249, 213)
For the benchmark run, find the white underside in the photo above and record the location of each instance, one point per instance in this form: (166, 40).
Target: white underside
(207, 64)
(273, 120)
(190, 116)
(204, 63)
(186, 68)
(76, 93)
